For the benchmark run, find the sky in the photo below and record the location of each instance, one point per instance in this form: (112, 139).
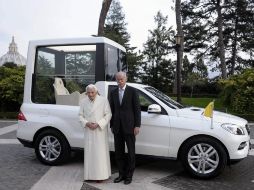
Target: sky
(46, 19)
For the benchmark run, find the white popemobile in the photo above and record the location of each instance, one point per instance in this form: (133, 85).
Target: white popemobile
(50, 123)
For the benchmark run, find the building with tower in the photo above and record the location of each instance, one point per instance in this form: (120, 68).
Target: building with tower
(13, 56)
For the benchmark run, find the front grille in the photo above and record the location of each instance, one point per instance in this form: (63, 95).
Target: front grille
(247, 128)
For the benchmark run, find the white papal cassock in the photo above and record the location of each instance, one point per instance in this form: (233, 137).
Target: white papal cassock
(96, 150)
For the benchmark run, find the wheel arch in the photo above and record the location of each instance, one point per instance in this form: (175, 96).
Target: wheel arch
(48, 128)
(198, 136)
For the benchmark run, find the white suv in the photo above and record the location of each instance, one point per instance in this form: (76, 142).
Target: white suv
(168, 129)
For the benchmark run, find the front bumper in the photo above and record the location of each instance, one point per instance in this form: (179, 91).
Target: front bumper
(234, 144)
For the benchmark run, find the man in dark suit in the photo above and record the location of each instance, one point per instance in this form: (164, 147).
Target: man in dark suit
(125, 124)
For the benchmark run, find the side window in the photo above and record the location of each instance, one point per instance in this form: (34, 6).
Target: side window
(144, 100)
(62, 73)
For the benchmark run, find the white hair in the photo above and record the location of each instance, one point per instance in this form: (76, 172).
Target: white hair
(91, 86)
(121, 73)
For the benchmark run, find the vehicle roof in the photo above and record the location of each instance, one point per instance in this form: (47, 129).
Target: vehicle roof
(84, 40)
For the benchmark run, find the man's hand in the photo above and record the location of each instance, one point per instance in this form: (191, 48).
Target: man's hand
(136, 131)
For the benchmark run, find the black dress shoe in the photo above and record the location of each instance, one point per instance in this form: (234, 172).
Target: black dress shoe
(119, 179)
(127, 181)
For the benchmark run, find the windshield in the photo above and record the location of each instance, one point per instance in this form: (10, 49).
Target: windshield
(164, 98)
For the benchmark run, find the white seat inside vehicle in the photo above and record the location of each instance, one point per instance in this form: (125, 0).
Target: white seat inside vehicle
(62, 95)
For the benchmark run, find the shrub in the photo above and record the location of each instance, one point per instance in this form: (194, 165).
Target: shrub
(238, 92)
(11, 87)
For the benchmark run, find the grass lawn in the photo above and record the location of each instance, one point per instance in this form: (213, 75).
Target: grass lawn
(8, 115)
(203, 102)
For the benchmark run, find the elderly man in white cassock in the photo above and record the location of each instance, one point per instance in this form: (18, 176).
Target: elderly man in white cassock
(95, 115)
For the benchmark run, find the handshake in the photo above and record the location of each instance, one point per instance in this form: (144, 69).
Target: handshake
(92, 125)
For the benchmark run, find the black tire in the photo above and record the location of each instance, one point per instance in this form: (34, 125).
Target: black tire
(195, 155)
(54, 153)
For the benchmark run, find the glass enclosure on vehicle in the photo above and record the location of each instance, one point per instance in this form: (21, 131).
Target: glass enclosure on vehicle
(61, 72)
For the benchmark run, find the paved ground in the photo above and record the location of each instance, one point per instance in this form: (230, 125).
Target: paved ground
(20, 170)
(5, 123)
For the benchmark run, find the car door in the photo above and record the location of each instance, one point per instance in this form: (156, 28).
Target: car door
(153, 138)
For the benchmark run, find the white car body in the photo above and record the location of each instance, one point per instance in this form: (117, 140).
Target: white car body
(166, 130)
(160, 135)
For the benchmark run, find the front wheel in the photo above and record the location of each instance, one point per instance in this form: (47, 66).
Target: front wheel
(52, 148)
(203, 157)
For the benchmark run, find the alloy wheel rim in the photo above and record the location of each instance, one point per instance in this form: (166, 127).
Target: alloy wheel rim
(203, 158)
(50, 148)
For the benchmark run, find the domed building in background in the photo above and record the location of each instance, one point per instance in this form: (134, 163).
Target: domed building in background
(13, 56)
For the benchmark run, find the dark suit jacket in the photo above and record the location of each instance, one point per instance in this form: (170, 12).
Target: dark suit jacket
(128, 114)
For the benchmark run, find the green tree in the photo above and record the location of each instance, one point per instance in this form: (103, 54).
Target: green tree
(156, 50)
(180, 50)
(239, 34)
(44, 66)
(116, 29)
(202, 25)
(201, 69)
(220, 32)
(115, 26)
(104, 10)
(10, 65)
(166, 75)
(134, 61)
(187, 68)
(194, 74)
(193, 80)
(11, 87)
(80, 63)
(238, 92)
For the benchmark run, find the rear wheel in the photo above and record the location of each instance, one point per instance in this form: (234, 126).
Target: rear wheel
(203, 157)
(52, 148)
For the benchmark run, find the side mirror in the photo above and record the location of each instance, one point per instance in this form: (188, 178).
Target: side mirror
(154, 108)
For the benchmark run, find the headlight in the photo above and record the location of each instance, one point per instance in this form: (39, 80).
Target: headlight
(232, 128)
